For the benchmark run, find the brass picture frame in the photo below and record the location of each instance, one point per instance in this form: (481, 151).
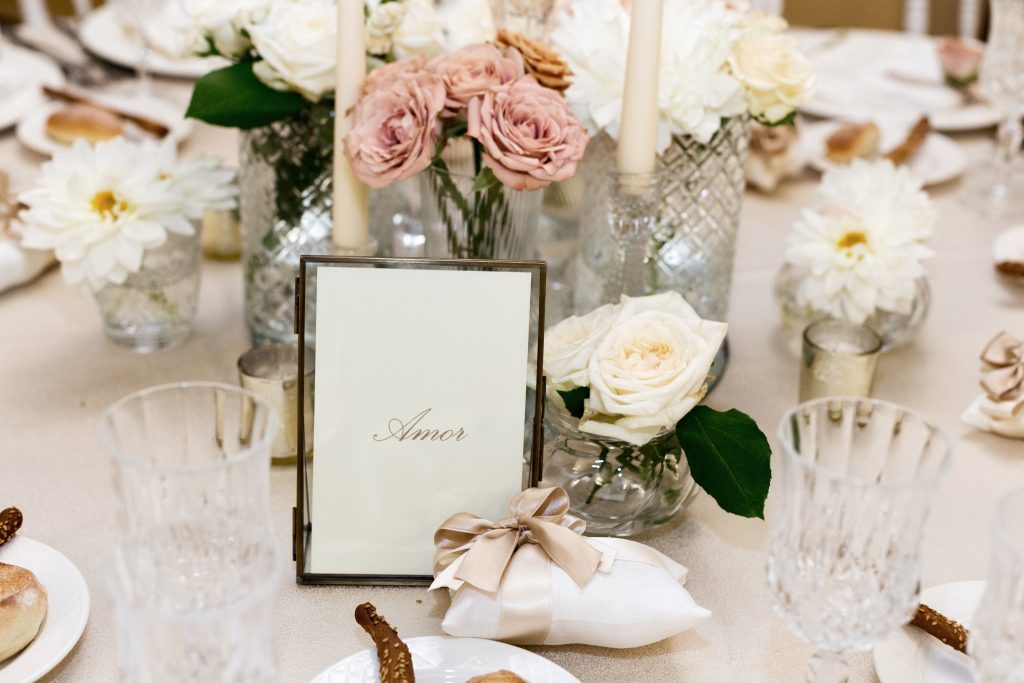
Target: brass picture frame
(533, 455)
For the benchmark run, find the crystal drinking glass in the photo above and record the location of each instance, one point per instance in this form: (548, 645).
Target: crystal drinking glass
(997, 189)
(194, 571)
(185, 453)
(858, 476)
(997, 632)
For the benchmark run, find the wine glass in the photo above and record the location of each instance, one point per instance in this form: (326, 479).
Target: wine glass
(858, 476)
(997, 632)
(134, 14)
(997, 188)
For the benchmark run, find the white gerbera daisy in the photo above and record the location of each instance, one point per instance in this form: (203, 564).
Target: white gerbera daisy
(861, 248)
(100, 208)
(202, 182)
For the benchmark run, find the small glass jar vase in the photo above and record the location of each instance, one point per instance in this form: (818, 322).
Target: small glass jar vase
(619, 489)
(895, 329)
(497, 222)
(154, 308)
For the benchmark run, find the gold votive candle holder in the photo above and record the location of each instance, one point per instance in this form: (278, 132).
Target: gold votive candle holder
(839, 359)
(221, 235)
(271, 371)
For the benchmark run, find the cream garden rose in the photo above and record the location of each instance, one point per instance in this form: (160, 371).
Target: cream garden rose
(775, 75)
(645, 362)
(298, 46)
(569, 345)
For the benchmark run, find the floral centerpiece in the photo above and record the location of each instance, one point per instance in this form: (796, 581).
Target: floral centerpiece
(857, 255)
(121, 219)
(279, 90)
(720, 68)
(487, 123)
(624, 383)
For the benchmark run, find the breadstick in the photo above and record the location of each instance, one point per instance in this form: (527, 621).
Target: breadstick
(903, 152)
(394, 656)
(941, 627)
(10, 522)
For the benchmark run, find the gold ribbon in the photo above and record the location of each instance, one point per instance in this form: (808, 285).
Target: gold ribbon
(1004, 367)
(535, 516)
(9, 207)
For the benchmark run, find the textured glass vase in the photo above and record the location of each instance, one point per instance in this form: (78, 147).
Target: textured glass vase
(691, 250)
(619, 489)
(154, 308)
(895, 329)
(493, 223)
(692, 246)
(285, 202)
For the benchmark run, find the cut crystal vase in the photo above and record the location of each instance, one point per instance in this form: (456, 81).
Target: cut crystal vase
(618, 488)
(692, 244)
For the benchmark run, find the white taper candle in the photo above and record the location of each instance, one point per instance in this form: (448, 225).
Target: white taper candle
(638, 134)
(351, 213)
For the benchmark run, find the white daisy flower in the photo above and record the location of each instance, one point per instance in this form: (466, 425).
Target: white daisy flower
(861, 249)
(203, 182)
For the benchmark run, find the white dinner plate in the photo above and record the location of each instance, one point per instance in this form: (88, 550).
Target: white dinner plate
(22, 75)
(870, 75)
(103, 34)
(938, 160)
(31, 129)
(912, 656)
(437, 659)
(67, 610)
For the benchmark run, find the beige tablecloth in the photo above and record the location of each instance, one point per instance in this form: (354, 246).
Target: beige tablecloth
(58, 373)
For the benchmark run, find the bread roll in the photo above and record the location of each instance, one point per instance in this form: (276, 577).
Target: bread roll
(83, 122)
(22, 608)
(852, 141)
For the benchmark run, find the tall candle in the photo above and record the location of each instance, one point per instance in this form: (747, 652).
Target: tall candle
(638, 134)
(351, 212)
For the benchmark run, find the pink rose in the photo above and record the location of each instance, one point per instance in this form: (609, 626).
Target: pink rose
(389, 72)
(472, 71)
(960, 58)
(529, 134)
(395, 127)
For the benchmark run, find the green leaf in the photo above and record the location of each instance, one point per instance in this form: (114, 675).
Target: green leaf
(233, 97)
(787, 120)
(485, 181)
(573, 400)
(729, 457)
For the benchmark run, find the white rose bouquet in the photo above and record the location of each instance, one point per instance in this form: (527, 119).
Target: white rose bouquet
(636, 371)
(716, 63)
(284, 52)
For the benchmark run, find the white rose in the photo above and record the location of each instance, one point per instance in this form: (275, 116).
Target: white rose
(650, 369)
(776, 76)
(215, 20)
(465, 22)
(297, 43)
(381, 24)
(569, 345)
(420, 31)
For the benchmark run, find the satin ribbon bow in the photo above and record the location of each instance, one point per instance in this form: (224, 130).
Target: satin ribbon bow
(1004, 363)
(537, 516)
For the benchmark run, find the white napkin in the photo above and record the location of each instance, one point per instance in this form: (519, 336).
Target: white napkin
(635, 598)
(18, 265)
(1005, 418)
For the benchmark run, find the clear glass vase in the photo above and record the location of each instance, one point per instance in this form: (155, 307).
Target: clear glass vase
(895, 329)
(691, 247)
(619, 489)
(493, 223)
(154, 308)
(285, 202)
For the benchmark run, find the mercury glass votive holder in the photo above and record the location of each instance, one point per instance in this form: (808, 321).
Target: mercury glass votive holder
(271, 371)
(839, 359)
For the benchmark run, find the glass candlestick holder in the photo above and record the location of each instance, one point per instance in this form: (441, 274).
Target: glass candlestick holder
(839, 359)
(632, 219)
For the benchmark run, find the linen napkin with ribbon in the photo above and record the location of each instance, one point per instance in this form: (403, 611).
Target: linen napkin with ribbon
(533, 578)
(17, 265)
(1000, 409)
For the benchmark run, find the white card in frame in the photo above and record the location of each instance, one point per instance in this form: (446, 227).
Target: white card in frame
(420, 406)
